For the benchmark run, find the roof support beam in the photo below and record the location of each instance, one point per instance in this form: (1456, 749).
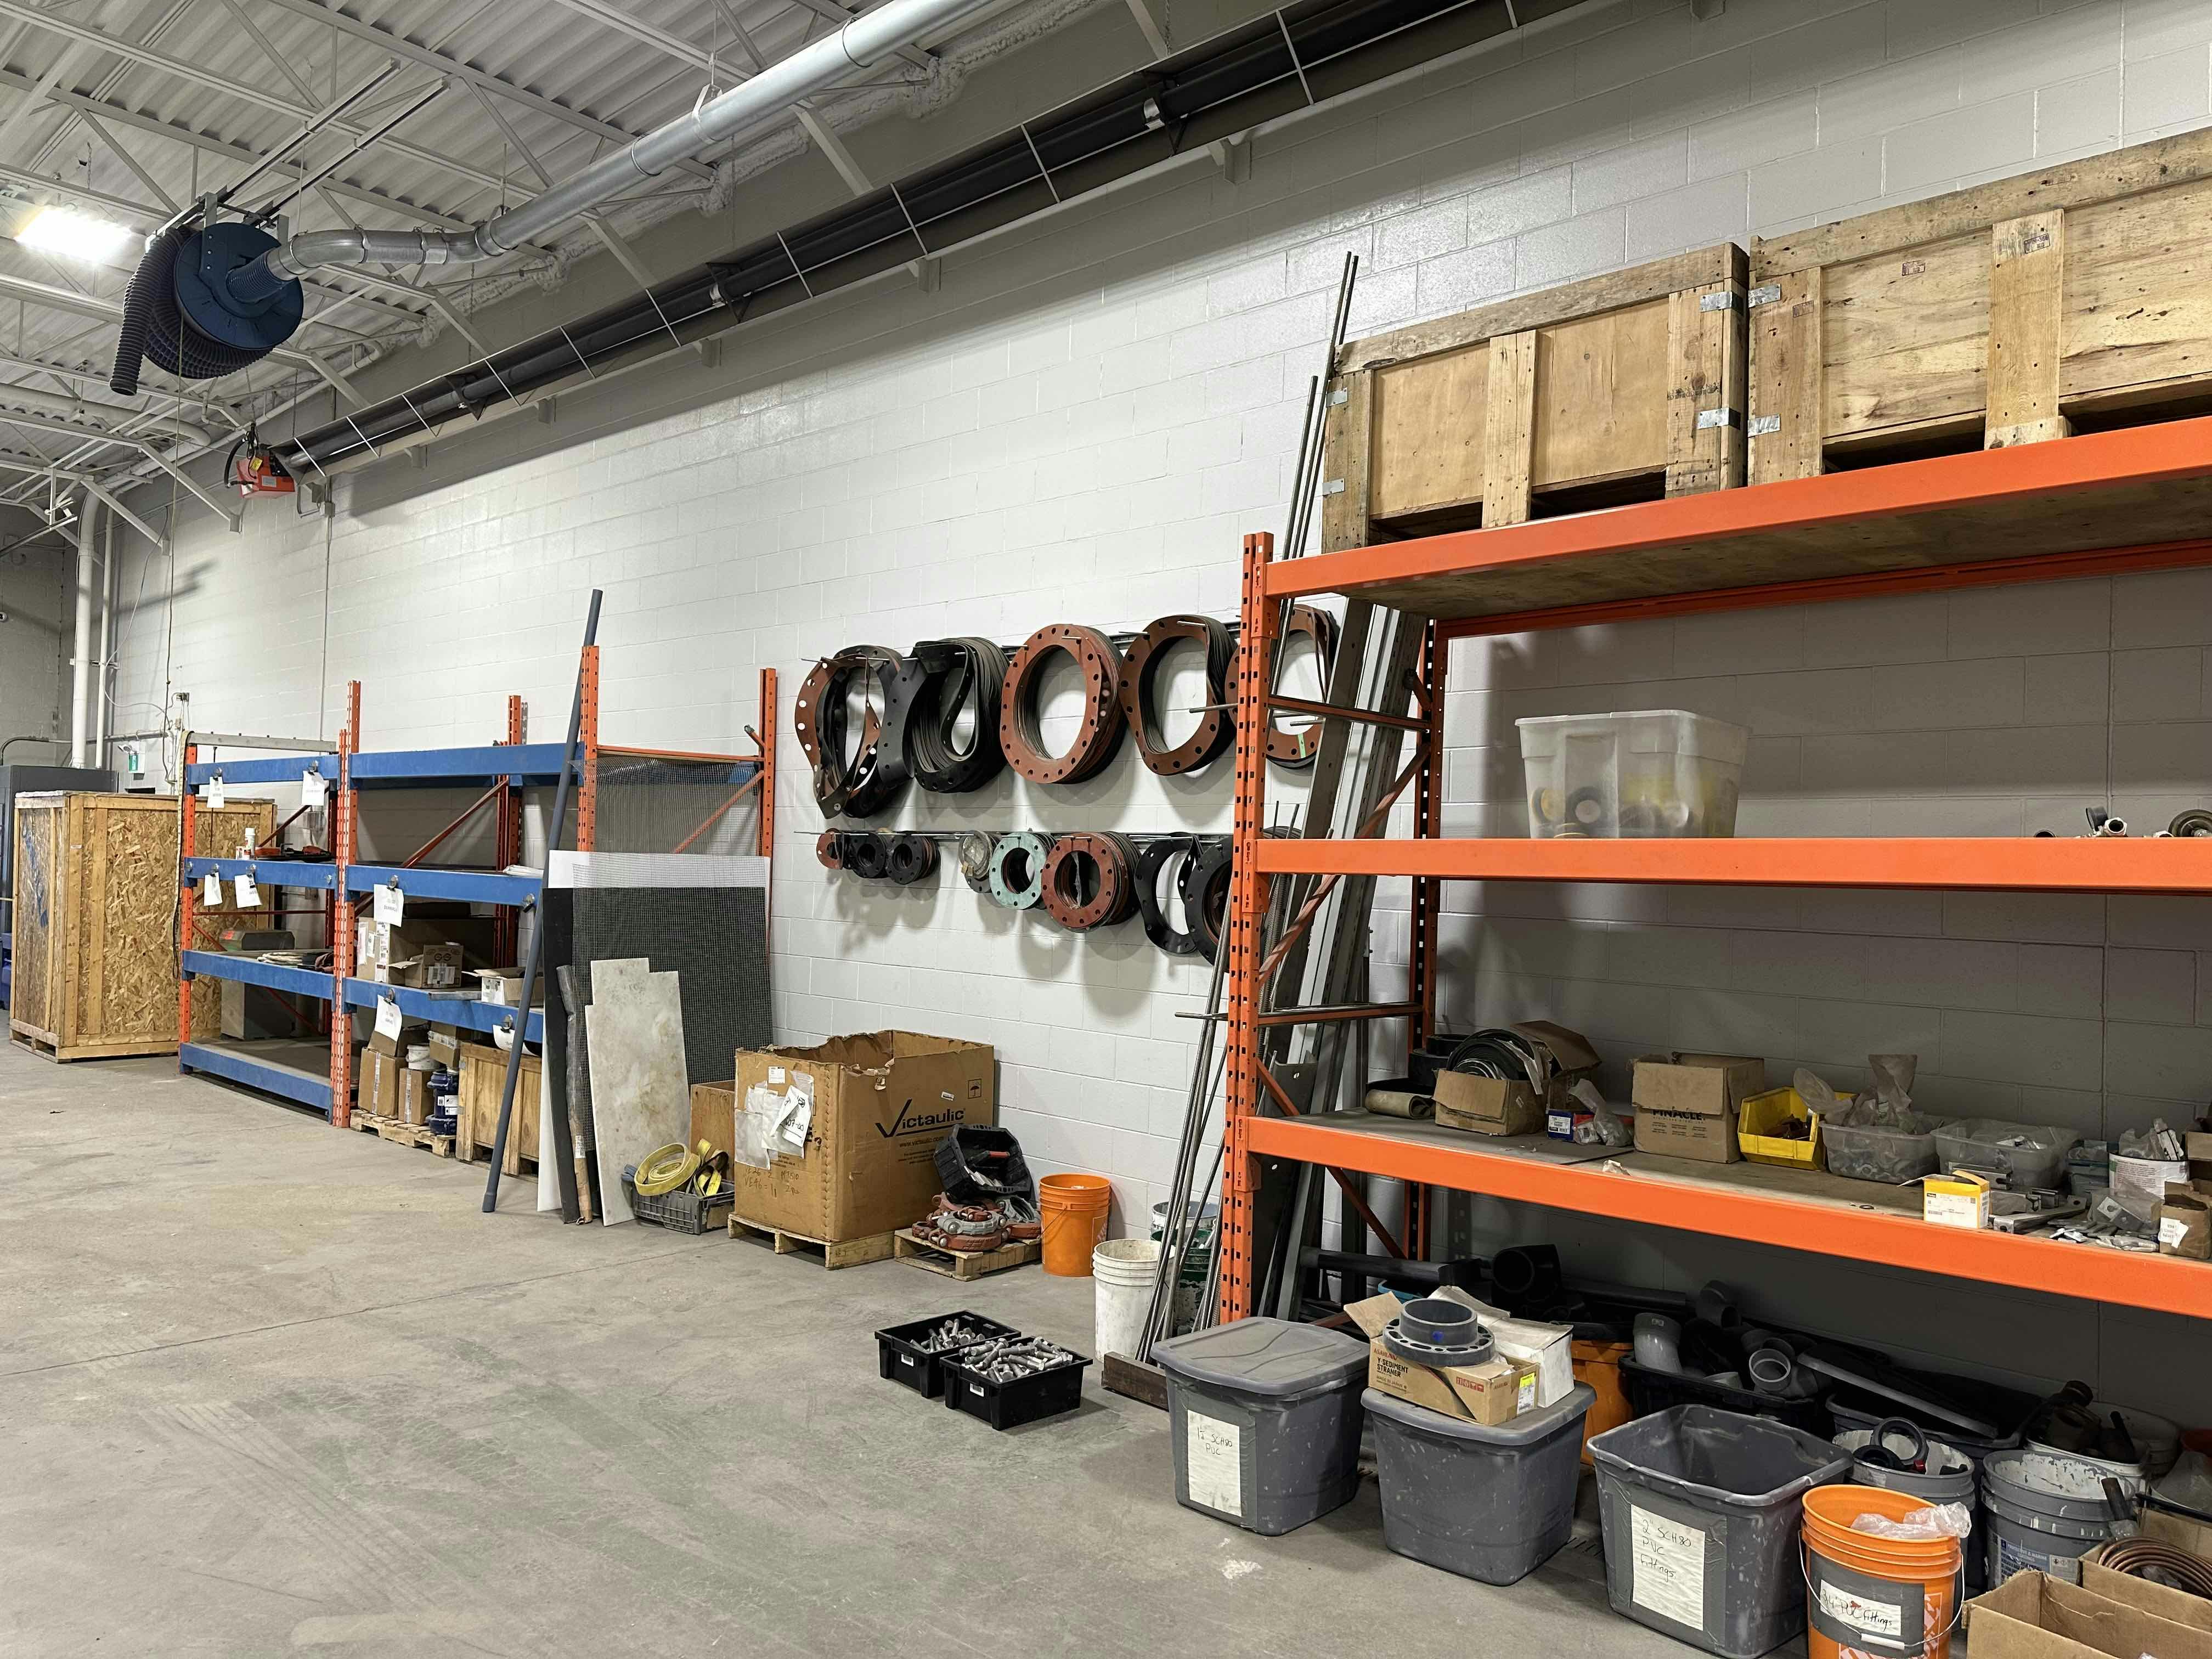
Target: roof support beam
(98, 129)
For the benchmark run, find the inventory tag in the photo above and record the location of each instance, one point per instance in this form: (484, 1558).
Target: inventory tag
(215, 797)
(211, 889)
(387, 1018)
(390, 905)
(311, 788)
(249, 895)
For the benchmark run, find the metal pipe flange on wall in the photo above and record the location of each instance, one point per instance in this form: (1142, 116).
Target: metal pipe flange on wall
(829, 849)
(1090, 880)
(953, 676)
(1164, 856)
(1100, 733)
(976, 849)
(1017, 869)
(1140, 691)
(867, 855)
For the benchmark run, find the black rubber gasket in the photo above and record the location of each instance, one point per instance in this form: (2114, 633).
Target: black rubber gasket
(1158, 856)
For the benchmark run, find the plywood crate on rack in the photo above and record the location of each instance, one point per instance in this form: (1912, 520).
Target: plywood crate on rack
(1619, 388)
(476, 1108)
(95, 892)
(2065, 299)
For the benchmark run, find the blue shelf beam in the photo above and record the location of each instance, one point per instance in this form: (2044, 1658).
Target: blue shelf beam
(282, 768)
(533, 763)
(234, 1065)
(434, 1010)
(475, 886)
(266, 873)
(251, 970)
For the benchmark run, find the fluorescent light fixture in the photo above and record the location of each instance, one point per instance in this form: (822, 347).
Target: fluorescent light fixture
(75, 235)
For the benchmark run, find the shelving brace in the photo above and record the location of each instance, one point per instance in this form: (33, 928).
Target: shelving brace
(503, 770)
(2138, 499)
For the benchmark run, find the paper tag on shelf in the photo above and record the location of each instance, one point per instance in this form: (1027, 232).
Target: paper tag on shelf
(214, 793)
(387, 1018)
(249, 895)
(311, 788)
(211, 888)
(390, 905)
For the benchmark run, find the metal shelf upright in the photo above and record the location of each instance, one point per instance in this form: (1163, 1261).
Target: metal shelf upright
(2098, 504)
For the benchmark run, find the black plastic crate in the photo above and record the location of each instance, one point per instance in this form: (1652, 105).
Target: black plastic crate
(1651, 1391)
(1025, 1399)
(682, 1211)
(900, 1357)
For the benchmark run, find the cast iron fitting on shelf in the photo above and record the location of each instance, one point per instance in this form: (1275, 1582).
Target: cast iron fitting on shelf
(1159, 857)
(911, 859)
(1090, 880)
(867, 855)
(1298, 749)
(976, 850)
(953, 675)
(878, 771)
(1204, 888)
(1100, 734)
(1017, 869)
(1140, 673)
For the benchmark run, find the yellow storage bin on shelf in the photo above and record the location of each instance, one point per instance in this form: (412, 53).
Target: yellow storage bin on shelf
(1761, 1125)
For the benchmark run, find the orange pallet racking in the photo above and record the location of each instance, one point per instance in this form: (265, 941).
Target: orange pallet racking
(2095, 505)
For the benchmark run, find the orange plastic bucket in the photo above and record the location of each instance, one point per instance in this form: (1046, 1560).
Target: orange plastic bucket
(1870, 1597)
(1073, 1207)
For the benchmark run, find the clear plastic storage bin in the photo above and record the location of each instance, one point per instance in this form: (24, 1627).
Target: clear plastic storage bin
(1652, 772)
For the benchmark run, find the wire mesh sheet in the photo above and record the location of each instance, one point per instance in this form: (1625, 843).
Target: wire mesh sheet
(650, 803)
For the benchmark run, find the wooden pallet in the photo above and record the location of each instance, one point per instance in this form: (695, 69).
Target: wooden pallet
(1623, 387)
(407, 1134)
(962, 1265)
(2016, 312)
(831, 1253)
(42, 1044)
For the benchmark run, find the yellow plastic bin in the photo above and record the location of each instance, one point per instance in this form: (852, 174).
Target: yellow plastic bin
(1759, 1125)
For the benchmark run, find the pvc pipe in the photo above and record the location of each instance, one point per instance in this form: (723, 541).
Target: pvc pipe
(81, 660)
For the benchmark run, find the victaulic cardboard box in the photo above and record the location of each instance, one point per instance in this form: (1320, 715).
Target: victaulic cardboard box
(875, 1106)
(1685, 1104)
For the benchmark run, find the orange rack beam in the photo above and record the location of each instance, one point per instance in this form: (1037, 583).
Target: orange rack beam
(2020, 864)
(1860, 1235)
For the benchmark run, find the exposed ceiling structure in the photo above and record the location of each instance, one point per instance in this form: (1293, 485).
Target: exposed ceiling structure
(449, 111)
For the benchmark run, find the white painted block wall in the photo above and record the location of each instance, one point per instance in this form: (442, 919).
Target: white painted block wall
(1084, 421)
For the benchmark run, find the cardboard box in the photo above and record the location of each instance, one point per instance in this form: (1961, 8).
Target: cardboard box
(713, 1115)
(2179, 1531)
(1497, 1391)
(444, 1044)
(432, 968)
(1685, 1103)
(2197, 1144)
(1549, 1348)
(1486, 1105)
(881, 1103)
(1570, 1052)
(502, 988)
(377, 1087)
(411, 1031)
(1960, 1199)
(2034, 1616)
(2180, 1606)
(2185, 1220)
(414, 1096)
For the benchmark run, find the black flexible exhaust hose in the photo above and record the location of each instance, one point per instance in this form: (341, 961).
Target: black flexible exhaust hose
(152, 274)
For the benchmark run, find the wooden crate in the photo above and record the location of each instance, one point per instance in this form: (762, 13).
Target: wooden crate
(475, 1108)
(96, 894)
(1624, 387)
(2065, 299)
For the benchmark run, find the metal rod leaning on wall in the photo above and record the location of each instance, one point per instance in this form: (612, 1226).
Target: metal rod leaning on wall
(563, 1158)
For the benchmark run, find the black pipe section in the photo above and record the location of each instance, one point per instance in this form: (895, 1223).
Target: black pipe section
(1303, 54)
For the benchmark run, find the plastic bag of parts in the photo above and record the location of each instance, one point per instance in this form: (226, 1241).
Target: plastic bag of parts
(1888, 1105)
(2157, 1142)
(757, 1135)
(1605, 1127)
(1936, 1521)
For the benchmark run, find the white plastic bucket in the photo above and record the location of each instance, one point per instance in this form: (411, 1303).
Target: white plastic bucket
(1121, 1279)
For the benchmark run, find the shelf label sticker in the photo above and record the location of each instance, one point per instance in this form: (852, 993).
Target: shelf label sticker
(387, 1018)
(1667, 1563)
(312, 791)
(215, 796)
(1213, 1463)
(390, 905)
(211, 889)
(2172, 1231)
(249, 895)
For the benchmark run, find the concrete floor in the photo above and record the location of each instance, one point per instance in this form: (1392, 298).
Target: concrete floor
(266, 1388)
